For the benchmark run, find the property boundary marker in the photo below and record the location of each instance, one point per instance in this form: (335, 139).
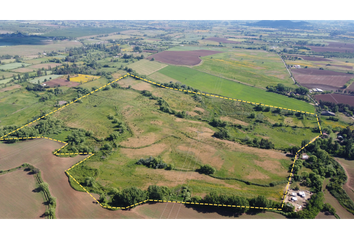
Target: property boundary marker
(154, 200)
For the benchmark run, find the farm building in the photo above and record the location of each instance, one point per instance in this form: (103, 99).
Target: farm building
(294, 199)
(301, 194)
(327, 113)
(305, 156)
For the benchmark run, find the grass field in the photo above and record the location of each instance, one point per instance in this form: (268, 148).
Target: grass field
(216, 85)
(11, 66)
(145, 67)
(256, 68)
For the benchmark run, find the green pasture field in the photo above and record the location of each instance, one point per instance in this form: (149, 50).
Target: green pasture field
(255, 68)
(11, 66)
(2, 81)
(212, 84)
(146, 67)
(5, 74)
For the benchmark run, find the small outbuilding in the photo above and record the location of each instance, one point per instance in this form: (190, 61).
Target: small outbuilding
(302, 194)
(305, 156)
(327, 113)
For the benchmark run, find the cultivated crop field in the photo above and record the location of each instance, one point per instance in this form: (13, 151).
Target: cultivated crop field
(336, 98)
(18, 200)
(11, 66)
(145, 67)
(82, 78)
(189, 58)
(255, 68)
(212, 84)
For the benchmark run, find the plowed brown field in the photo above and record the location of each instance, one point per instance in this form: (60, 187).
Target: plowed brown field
(61, 82)
(182, 57)
(324, 79)
(336, 98)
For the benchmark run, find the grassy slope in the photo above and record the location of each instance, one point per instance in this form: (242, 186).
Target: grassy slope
(146, 67)
(213, 84)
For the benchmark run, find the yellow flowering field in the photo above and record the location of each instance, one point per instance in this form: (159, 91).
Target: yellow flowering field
(82, 78)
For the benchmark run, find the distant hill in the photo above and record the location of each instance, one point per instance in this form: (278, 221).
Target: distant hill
(281, 24)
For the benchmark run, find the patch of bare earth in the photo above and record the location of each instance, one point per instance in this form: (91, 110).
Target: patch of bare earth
(174, 178)
(10, 88)
(139, 141)
(157, 122)
(153, 150)
(142, 86)
(255, 174)
(199, 109)
(185, 120)
(234, 121)
(206, 153)
(116, 75)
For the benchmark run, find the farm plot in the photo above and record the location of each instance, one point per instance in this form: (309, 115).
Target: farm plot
(44, 78)
(217, 85)
(255, 68)
(323, 79)
(145, 67)
(70, 203)
(336, 98)
(59, 82)
(181, 57)
(44, 65)
(334, 47)
(82, 78)
(222, 40)
(18, 200)
(11, 66)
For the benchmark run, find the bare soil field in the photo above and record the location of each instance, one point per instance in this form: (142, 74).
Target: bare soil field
(334, 47)
(222, 40)
(44, 65)
(324, 79)
(325, 215)
(71, 204)
(180, 211)
(336, 98)
(18, 201)
(342, 66)
(22, 70)
(189, 58)
(61, 82)
(10, 88)
(316, 59)
(150, 51)
(342, 212)
(349, 170)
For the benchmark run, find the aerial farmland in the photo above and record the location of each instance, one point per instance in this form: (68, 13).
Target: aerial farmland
(219, 121)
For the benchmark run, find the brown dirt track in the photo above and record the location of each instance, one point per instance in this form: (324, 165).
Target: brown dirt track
(222, 40)
(324, 79)
(62, 82)
(336, 98)
(189, 58)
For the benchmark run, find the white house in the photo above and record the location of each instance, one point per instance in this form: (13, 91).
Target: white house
(302, 194)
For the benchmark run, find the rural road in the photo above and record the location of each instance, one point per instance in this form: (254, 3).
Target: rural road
(308, 95)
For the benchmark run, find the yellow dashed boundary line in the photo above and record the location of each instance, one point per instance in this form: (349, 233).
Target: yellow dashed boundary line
(153, 200)
(216, 96)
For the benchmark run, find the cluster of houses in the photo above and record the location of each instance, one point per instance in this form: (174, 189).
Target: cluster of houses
(294, 195)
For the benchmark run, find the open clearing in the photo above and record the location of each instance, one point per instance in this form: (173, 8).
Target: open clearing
(189, 58)
(18, 201)
(222, 40)
(11, 66)
(44, 65)
(349, 169)
(145, 67)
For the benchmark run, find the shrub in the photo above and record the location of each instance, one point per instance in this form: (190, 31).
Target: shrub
(206, 169)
